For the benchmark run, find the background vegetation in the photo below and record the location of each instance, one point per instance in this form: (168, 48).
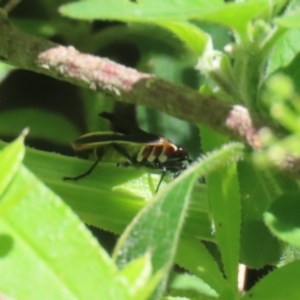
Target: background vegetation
(242, 57)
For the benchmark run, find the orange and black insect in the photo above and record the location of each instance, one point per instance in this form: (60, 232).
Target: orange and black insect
(138, 149)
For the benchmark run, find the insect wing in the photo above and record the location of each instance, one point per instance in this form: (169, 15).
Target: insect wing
(92, 140)
(104, 145)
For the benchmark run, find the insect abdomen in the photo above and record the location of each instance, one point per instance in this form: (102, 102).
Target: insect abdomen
(159, 151)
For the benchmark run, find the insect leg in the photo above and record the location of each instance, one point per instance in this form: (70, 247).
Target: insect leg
(164, 171)
(90, 170)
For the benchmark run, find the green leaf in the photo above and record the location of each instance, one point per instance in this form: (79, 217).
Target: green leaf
(186, 284)
(284, 51)
(157, 227)
(258, 246)
(290, 20)
(38, 121)
(258, 189)
(283, 218)
(44, 245)
(190, 34)
(141, 11)
(137, 272)
(234, 15)
(137, 275)
(280, 284)
(11, 159)
(225, 208)
(200, 262)
(89, 197)
(125, 189)
(292, 70)
(289, 254)
(224, 198)
(238, 15)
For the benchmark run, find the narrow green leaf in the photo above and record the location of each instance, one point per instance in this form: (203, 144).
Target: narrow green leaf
(283, 220)
(200, 262)
(11, 158)
(157, 227)
(225, 208)
(141, 11)
(224, 198)
(281, 284)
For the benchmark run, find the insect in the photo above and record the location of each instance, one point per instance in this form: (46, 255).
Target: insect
(138, 149)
